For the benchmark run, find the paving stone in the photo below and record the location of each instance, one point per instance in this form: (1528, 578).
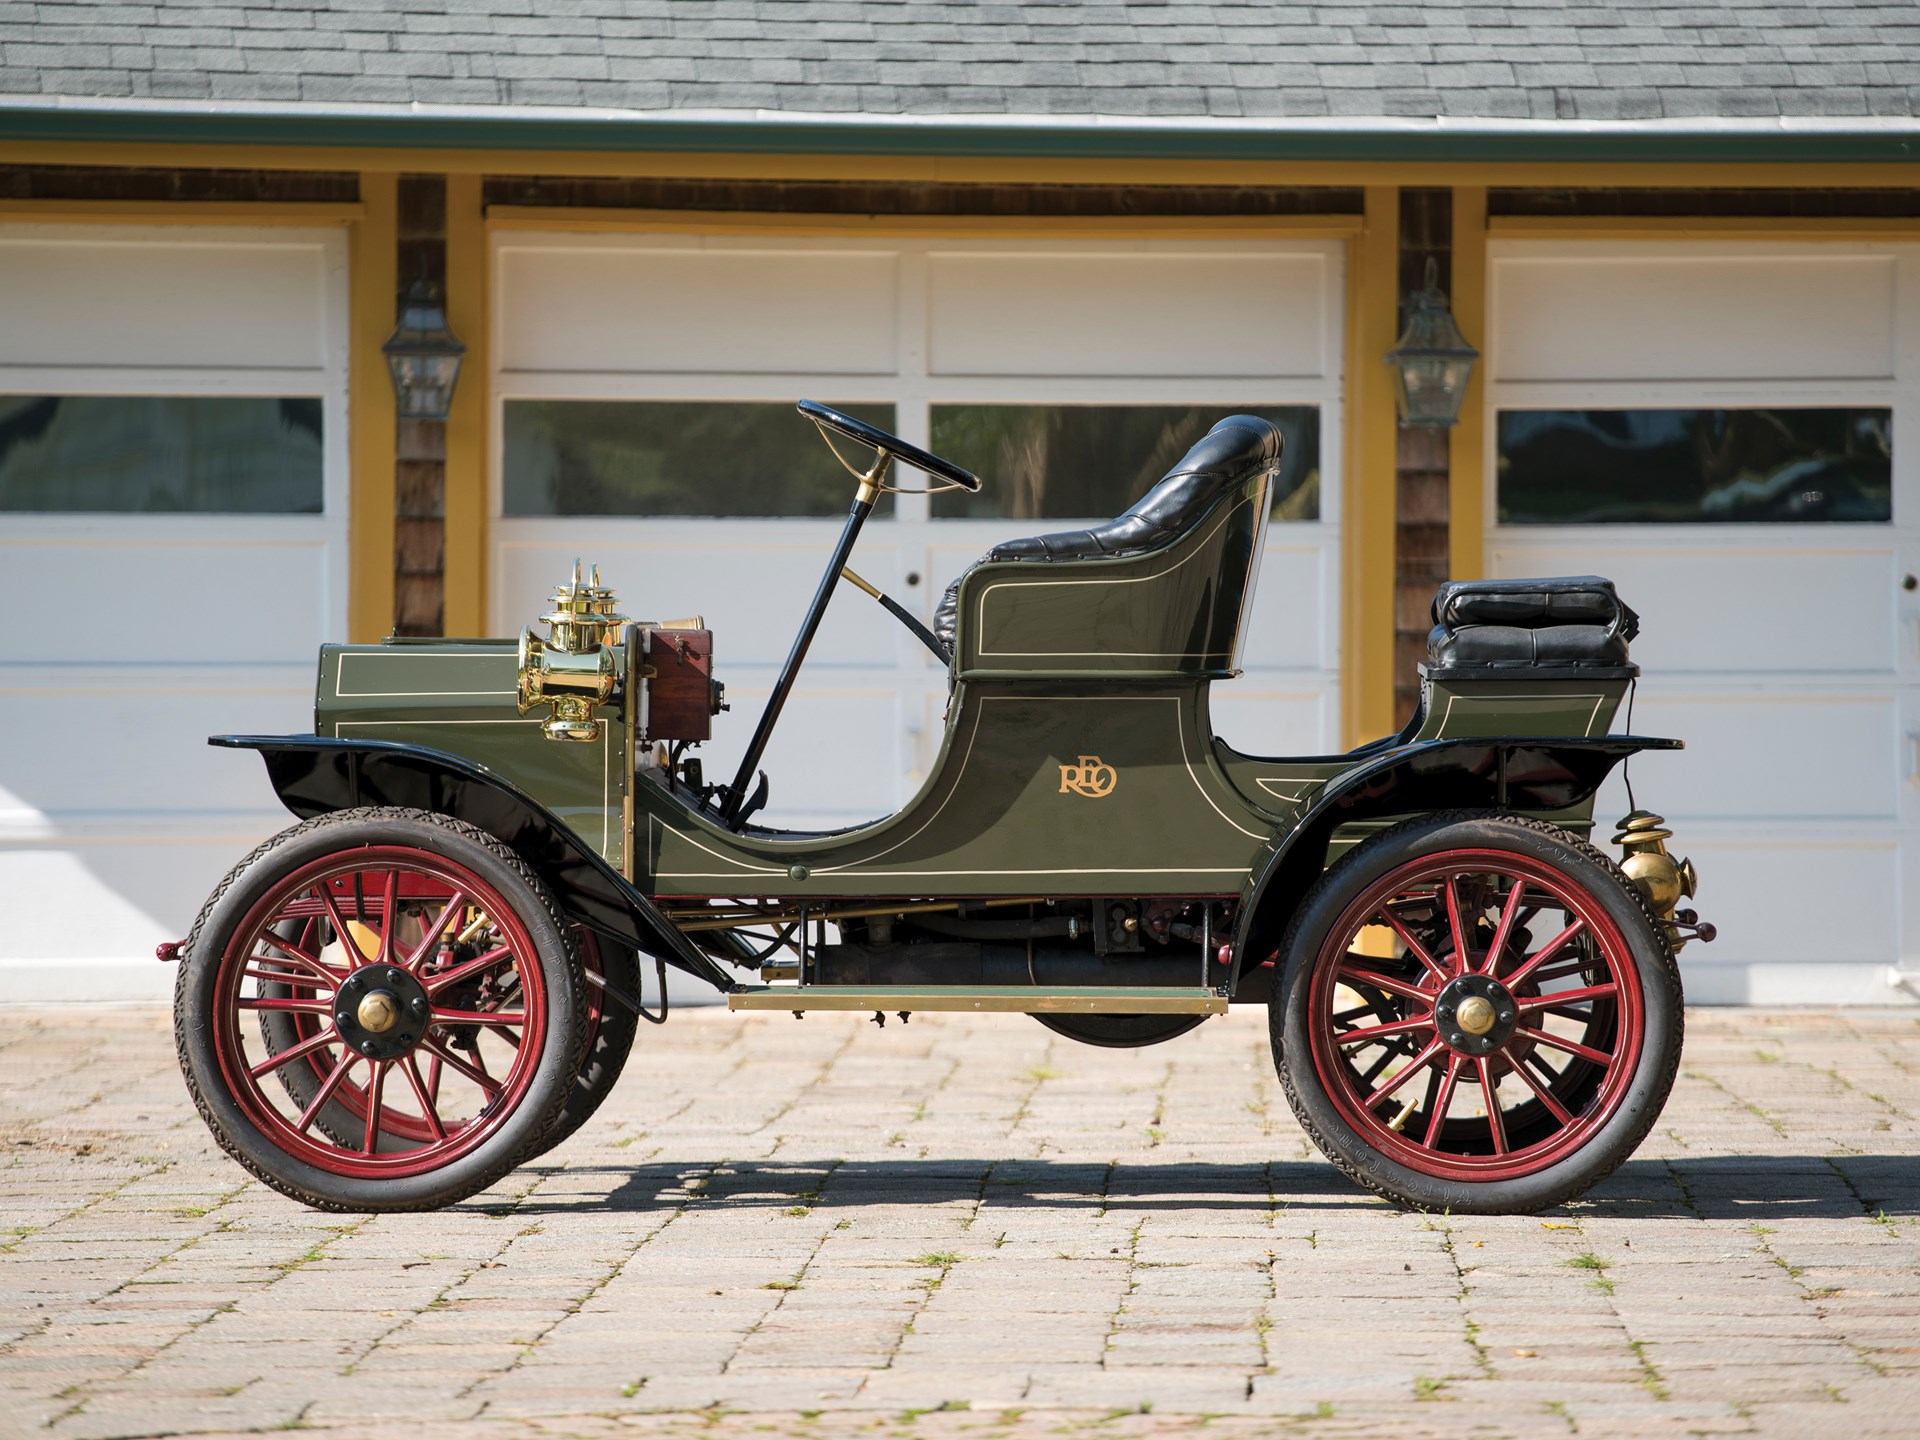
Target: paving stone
(1108, 1244)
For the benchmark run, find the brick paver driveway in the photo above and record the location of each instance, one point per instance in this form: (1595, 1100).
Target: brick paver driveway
(967, 1227)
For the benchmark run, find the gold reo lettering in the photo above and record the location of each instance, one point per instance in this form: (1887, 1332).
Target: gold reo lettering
(1089, 778)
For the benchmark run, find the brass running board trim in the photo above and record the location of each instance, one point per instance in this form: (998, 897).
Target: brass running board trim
(1015, 999)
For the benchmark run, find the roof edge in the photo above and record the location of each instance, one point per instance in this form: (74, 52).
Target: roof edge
(1779, 138)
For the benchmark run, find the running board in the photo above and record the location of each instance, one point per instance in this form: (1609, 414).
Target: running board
(1018, 999)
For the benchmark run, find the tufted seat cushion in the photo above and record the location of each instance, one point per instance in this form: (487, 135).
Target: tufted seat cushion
(1567, 621)
(1238, 447)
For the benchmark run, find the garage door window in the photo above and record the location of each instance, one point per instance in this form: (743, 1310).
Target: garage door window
(675, 457)
(158, 454)
(1599, 467)
(1058, 462)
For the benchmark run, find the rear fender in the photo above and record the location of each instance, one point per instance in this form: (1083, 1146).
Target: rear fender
(314, 775)
(1511, 774)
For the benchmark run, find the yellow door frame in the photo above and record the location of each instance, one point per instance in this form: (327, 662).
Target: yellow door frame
(1367, 588)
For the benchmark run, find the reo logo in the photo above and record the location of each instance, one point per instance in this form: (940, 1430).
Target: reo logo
(1089, 778)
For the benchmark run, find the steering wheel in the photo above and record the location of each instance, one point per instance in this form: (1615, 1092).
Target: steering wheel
(887, 444)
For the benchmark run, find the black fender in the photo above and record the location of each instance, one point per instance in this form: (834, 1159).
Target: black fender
(314, 775)
(1520, 774)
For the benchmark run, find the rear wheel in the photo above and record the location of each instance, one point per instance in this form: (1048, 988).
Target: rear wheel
(1476, 1013)
(424, 1003)
(611, 1027)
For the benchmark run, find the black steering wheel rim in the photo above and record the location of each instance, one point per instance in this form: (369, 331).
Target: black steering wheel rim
(865, 434)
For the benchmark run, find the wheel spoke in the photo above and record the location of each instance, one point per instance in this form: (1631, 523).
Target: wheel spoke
(297, 956)
(1544, 1095)
(340, 930)
(294, 1052)
(1568, 997)
(389, 916)
(434, 930)
(410, 1067)
(1438, 1119)
(1585, 1052)
(1457, 925)
(1356, 1037)
(376, 1104)
(1508, 915)
(294, 976)
(453, 1062)
(436, 983)
(479, 1017)
(1544, 953)
(1387, 1087)
(1495, 1123)
(1391, 1051)
(325, 1093)
(1414, 947)
(1354, 975)
(274, 1002)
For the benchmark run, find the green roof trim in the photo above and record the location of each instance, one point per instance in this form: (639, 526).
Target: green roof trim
(529, 128)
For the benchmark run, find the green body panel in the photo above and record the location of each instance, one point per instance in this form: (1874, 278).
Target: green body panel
(458, 696)
(1054, 782)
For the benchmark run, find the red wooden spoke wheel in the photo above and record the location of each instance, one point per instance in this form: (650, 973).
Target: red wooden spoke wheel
(411, 1030)
(381, 1010)
(1483, 1014)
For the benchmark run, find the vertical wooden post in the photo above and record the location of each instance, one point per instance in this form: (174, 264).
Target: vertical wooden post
(374, 286)
(1366, 688)
(1467, 467)
(468, 426)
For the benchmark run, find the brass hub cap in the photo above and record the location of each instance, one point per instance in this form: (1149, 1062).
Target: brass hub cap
(379, 1012)
(382, 1011)
(1475, 1014)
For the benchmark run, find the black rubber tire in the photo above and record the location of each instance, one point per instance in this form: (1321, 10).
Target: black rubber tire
(539, 1107)
(1646, 1093)
(610, 1037)
(1121, 1032)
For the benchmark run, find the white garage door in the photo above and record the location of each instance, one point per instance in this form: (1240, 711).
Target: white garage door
(644, 420)
(1715, 427)
(172, 550)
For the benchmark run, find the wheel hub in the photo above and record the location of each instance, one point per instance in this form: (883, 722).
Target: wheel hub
(381, 1011)
(1475, 1014)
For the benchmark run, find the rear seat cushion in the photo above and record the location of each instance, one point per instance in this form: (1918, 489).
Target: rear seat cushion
(1566, 620)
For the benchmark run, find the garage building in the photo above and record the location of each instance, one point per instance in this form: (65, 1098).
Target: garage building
(1054, 242)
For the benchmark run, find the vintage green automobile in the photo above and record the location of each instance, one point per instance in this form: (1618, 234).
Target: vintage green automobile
(435, 975)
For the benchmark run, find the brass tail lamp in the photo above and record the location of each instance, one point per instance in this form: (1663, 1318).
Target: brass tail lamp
(1663, 882)
(572, 671)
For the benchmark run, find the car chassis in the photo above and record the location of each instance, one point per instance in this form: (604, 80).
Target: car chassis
(435, 975)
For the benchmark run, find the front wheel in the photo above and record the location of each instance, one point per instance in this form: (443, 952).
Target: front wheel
(1476, 1013)
(427, 1006)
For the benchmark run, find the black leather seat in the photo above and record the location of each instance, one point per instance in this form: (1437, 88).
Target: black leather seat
(1570, 622)
(1239, 447)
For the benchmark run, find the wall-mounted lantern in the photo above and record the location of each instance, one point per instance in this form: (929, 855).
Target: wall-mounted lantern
(423, 355)
(1433, 361)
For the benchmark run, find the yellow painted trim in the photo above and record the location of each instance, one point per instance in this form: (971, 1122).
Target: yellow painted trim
(1558, 175)
(1466, 445)
(1682, 227)
(370, 413)
(742, 222)
(1366, 681)
(179, 212)
(468, 282)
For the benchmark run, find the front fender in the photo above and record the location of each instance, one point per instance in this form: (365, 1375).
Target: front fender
(1500, 773)
(314, 775)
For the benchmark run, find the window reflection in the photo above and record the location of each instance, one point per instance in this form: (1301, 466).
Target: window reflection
(1060, 462)
(674, 457)
(158, 454)
(1610, 467)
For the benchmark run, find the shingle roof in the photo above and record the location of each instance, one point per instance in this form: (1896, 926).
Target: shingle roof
(1522, 60)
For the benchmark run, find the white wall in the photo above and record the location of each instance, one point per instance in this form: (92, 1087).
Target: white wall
(128, 639)
(1783, 654)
